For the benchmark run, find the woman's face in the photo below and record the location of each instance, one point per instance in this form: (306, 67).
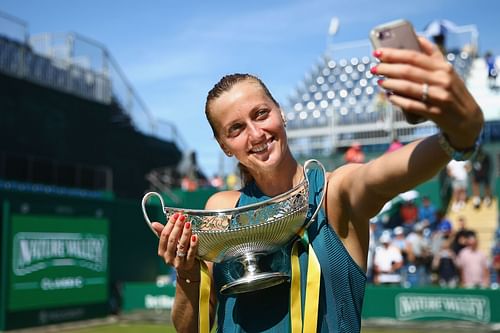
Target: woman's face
(249, 125)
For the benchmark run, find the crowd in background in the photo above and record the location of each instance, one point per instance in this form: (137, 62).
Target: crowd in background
(426, 250)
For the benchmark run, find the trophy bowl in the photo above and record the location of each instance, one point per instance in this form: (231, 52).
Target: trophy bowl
(246, 233)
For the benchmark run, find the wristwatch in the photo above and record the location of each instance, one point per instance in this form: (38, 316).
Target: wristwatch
(458, 155)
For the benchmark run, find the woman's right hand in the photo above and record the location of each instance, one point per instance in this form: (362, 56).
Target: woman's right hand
(178, 246)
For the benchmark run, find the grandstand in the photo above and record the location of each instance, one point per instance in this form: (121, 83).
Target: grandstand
(339, 101)
(71, 120)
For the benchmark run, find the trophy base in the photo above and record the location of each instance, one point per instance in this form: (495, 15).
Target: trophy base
(254, 282)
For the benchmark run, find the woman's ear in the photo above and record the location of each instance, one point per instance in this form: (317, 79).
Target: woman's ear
(283, 117)
(225, 150)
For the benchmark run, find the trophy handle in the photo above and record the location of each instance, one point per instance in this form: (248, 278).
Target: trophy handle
(325, 184)
(145, 213)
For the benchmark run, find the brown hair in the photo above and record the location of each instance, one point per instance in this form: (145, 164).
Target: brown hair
(225, 84)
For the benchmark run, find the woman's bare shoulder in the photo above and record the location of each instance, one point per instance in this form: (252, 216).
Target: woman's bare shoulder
(223, 200)
(342, 173)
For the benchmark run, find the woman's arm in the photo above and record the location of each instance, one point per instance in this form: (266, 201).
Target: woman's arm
(357, 192)
(186, 306)
(448, 104)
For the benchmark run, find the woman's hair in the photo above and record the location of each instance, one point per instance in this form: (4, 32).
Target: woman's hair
(224, 85)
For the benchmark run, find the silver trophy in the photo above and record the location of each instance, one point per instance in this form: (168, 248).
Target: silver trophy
(247, 233)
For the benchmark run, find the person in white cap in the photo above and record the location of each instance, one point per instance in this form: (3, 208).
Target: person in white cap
(387, 261)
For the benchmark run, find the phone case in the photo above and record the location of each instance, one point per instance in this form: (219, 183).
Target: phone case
(397, 34)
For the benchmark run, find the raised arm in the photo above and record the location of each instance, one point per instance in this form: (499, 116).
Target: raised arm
(424, 84)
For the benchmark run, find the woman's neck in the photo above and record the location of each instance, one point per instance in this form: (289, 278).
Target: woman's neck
(280, 179)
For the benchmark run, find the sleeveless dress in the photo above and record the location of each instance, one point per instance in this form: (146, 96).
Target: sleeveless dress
(268, 310)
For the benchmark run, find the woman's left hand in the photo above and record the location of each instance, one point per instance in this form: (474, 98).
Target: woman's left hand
(425, 84)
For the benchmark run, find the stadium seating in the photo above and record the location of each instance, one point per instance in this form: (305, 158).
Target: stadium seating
(63, 127)
(344, 94)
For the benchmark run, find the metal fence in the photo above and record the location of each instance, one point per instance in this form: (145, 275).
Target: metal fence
(77, 65)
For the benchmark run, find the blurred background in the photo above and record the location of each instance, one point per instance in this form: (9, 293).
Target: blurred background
(102, 102)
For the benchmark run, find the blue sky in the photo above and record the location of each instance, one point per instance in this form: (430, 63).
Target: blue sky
(174, 51)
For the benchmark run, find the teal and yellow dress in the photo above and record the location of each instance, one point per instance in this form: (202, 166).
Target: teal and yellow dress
(342, 280)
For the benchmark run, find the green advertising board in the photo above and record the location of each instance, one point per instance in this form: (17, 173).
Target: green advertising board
(57, 261)
(147, 295)
(431, 304)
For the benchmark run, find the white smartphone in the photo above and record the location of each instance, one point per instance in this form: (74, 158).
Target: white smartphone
(398, 34)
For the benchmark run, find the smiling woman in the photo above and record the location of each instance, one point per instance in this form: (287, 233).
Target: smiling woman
(248, 124)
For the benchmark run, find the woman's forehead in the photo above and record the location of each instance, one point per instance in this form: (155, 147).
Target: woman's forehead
(243, 95)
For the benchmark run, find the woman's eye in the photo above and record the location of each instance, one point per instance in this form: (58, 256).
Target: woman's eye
(234, 130)
(262, 113)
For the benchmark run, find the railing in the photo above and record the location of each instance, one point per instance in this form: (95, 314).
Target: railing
(37, 174)
(78, 65)
(339, 100)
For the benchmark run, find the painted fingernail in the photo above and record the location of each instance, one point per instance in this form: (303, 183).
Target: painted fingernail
(175, 216)
(377, 53)
(193, 238)
(182, 218)
(187, 225)
(379, 82)
(373, 70)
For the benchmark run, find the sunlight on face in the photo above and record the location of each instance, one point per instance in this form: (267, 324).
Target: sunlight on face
(248, 123)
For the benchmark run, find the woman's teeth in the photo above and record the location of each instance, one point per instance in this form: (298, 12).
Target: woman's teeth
(260, 148)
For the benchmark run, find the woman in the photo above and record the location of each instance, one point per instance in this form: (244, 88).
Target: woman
(249, 125)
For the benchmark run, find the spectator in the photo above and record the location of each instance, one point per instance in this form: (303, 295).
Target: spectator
(444, 264)
(387, 262)
(492, 70)
(419, 253)
(232, 181)
(441, 218)
(496, 260)
(457, 170)
(399, 241)
(481, 167)
(354, 154)
(408, 213)
(473, 265)
(461, 235)
(188, 184)
(395, 144)
(217, 182)
(427, 211)
(441, 236)
(445, 190)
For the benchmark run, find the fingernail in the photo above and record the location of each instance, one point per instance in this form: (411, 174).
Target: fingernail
(379, 82)
(182, 218)
(187, 225)
(193, 238)
(377, 53)
(175, 216)
(373, 70)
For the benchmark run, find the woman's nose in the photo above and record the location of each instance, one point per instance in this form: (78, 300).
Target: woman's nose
(255, 132)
